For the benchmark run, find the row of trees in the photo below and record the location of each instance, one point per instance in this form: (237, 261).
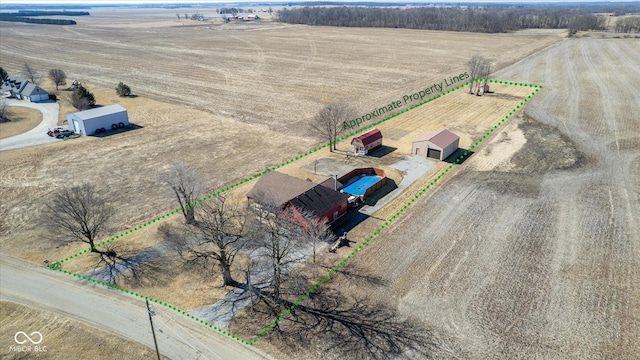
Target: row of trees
(13, 18)
(628, 25)
(213, 232)
(491, 20)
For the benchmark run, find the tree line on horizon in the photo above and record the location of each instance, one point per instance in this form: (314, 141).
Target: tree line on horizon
(488, 20)
(13, 18)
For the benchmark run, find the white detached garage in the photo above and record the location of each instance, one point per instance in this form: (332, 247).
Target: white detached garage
(90, 122)
(437, 144)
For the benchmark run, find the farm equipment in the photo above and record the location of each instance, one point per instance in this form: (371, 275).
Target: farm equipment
(74, 85)
(342, 241)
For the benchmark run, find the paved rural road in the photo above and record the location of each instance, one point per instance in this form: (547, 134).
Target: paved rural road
(37, 135)
(178, 337)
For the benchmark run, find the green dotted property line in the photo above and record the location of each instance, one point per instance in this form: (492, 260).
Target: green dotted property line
(287, 162)
(398, 213)
(168, 306)
(56, 266)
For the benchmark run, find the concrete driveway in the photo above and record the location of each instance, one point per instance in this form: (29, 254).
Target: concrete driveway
(37, 135)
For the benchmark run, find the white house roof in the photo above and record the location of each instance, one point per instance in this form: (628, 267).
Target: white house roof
(101, 111)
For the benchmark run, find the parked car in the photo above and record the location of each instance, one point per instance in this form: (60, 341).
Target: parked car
(64, 133)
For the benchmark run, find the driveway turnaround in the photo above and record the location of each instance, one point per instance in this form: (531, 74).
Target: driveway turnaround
(37, 135)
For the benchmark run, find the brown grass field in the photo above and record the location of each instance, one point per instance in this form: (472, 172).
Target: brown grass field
(528, 251)
(532, 256)
(64, 338)
(22, 120)
(241, 126)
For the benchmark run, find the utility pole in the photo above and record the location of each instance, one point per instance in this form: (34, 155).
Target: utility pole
(151, 313)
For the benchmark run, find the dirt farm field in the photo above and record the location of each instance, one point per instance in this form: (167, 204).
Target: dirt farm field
(225, 110)
(536, 255)
(527, 250)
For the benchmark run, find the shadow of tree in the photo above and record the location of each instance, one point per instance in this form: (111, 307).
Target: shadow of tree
(341, 327)
(118, 265)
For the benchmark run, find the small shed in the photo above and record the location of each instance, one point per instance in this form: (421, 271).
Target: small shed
(484, 88)
(437, 144)
(367, 141)
(90, 122)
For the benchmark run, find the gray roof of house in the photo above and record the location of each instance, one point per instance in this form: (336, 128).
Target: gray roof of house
(278, 187)
(31, 89)
(9, 84)
(101, 111)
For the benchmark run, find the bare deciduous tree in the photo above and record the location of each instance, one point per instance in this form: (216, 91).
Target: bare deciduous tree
(328, 123)
(277, 235)
(479, 68)
(4, 112)
(316, 230)
(628, 25)
(187, 188)
(214, 239)
(58, 77)
(78, 213)
(31, 74)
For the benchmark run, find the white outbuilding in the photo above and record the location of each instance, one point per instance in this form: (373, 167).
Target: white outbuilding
(98, 120)
(437, 144)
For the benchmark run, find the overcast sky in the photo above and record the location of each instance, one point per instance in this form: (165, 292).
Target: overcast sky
(88, 3)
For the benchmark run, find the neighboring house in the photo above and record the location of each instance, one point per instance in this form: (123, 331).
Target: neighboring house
(34, 93)
(300, 195)
(366, 142)
(23, 89)
(436, 144)
(98, 120)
